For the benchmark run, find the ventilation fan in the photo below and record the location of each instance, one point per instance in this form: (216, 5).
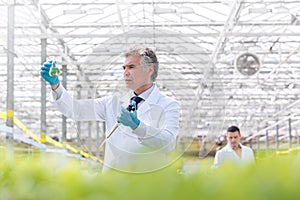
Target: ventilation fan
(247, 64)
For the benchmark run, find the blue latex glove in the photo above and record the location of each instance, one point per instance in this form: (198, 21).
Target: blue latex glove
(52, 80)
(129, 118)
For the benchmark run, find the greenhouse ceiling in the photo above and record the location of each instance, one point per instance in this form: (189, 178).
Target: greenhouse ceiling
(226, 62)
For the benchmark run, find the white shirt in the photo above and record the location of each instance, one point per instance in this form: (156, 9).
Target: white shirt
(148, 143)
(227, 154)
(144, 95)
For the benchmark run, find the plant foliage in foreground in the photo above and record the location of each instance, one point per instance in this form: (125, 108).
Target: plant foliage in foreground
(272, 178)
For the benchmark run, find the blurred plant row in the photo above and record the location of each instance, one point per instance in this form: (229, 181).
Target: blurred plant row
(274, 177)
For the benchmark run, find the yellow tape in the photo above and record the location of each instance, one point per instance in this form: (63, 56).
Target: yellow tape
(71, 148)
(288, 151)
(10, 113)
(25, 129)
(54, 142)
(45, 138)
(3, 115)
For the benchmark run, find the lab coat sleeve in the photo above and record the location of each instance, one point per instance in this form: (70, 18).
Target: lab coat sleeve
(79, 110)
(217, 160)
(164, 137)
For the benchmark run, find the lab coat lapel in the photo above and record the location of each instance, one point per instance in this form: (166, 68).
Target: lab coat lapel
(150, 101)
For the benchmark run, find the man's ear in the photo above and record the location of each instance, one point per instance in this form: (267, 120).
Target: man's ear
(151, 69)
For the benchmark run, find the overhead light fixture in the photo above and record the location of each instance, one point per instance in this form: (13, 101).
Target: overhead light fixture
(280, 9)
(164, 49)
(74, 12)
(100, 49)
(158, 10)
(94, 11)
(259, 10)
(185, 10)
(239, 48)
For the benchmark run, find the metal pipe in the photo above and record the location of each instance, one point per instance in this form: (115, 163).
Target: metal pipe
(64, 119)
(290, 132)
(43, 93)
(10, 80)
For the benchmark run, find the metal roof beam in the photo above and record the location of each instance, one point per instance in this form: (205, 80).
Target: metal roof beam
(232, 34)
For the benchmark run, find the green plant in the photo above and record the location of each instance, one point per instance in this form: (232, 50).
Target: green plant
(46, 178)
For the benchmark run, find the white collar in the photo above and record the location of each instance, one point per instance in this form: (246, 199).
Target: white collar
(229, 148)
(146, 93)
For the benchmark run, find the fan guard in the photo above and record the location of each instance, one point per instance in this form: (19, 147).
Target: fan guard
(247, 63)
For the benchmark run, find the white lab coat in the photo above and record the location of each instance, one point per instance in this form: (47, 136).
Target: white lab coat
(227, 154)
(143, 149)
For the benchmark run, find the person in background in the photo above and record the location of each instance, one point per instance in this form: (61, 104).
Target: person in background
(234, 151)
(146, 133)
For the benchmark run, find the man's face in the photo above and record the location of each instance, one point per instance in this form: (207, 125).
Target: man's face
(134, 74)
(233, 138)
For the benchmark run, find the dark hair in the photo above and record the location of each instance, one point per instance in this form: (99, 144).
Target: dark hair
(233, 129)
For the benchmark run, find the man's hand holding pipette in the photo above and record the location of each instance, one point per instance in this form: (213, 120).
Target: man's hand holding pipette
(128, 117)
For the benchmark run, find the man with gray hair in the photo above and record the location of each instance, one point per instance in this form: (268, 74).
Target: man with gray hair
(148, 126)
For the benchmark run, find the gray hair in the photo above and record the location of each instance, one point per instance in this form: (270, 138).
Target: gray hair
(148, 58)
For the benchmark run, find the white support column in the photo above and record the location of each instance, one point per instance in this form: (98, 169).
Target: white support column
(43, 92)
(10, 78)
(64, 83)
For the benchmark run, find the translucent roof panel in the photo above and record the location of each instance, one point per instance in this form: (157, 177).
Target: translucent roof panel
(197, 43)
